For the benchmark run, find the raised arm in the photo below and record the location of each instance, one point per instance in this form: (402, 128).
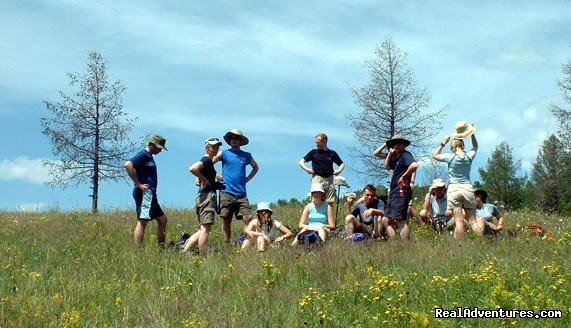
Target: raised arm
(474, 143)
(389, 157)
(437, 152)
(379, 151)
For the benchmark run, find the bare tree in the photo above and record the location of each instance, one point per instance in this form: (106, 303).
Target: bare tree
(433, 170)
(392, 102)
(88, 130)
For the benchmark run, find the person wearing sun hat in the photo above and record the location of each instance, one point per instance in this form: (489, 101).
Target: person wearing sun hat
(142, 170)
(233, 197)
(317, 215)
(460, 195)
(206, 197)
(434, 210)
(404, 166)
(263, 229)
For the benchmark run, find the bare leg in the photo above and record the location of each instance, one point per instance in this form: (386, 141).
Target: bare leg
(226, 229)
(404, 229)
(203, 238)
(261, 243)
(161, 229)
(349, 225)
(140, 231)
(476, 225)
(322, 233)
(190, 242)
(459, 222)
(390, 230)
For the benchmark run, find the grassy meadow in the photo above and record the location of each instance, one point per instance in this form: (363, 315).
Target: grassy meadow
(78, 270)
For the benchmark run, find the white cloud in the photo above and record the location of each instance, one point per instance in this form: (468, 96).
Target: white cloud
(31, 207)
(24, 168)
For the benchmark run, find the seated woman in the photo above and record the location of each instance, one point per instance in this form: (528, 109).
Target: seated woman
(263, 229)
(434, 210)
(487, 212)
(317, 215)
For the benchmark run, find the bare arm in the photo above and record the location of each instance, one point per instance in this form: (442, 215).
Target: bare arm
(379, 151)
(339, 169)
(389, 157)
(411, 169)
(217, 157)
(286, 234)
(304, 217)
(474, 143)
(254, 170)
(426, 204)
(195, 169)
(131, 171)
(436, 155)
(305, 167)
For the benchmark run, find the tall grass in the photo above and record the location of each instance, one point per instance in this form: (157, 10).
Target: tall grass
(75, 269)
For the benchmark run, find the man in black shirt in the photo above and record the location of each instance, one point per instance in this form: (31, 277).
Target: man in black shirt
(322, 171)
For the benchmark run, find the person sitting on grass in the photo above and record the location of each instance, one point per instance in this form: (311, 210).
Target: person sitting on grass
(434, 211)
(366, 215)
(317, 215)
(487, 212)
(263, 229)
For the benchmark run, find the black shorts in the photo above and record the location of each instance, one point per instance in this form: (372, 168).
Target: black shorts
(397, 207)
(148, 207)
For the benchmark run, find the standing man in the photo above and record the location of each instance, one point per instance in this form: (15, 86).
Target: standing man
(206, 198)
(322, 171)
(143, 171)
(404, 167)
(233, 199)
(366, 215)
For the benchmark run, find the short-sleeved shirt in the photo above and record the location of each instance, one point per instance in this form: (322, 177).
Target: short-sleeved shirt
(459, 166)
(360, 208)
(209, 173)
(145, 168)
(437, 205)
(488, 212)
(322, 161)
(318, 215)
(234, 164)
(266, 230)
(400, 165)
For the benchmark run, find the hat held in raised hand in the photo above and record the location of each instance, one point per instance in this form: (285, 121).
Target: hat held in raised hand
(464, 129)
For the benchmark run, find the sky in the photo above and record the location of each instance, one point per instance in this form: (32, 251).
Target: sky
(278, 71)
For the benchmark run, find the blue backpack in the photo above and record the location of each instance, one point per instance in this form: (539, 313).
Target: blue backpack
(309, 237)
(358, 237)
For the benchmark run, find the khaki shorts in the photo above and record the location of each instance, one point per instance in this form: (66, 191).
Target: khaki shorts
(461, 195)
(328, 187)
(234, 205)
(206, 207)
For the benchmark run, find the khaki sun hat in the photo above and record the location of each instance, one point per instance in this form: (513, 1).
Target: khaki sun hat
(159, 141)
(238, 133)
(339, 181)
(464, 129)
(397, 138)
(437, 183)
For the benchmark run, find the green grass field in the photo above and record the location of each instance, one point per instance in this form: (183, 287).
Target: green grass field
(78, 270)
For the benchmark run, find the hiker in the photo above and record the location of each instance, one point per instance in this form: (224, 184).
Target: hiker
(263, 229)
(404, 167)
(206, 198)
(365, 215)
(142, 169)
(317, 215)
(322, 160)
(434, 210)
(460, 191)
(487, 212)
(233, 198)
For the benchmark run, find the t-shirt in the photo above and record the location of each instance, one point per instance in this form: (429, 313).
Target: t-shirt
(360, 208)
(145, 168)
(399, 165)
(234, 164)
(267, 231)
(438, 206)
(209, 173)
(488, 212)
(322, 161)
(318, 215)
(459, 166)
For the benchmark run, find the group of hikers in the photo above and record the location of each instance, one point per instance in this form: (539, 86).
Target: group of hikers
(459, 206)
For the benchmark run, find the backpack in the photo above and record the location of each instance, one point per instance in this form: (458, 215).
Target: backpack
(358, 237)
(309, 237)
(179, 244)
(240, 239)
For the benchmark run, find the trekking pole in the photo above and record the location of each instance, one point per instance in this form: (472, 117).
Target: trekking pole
(338, 198)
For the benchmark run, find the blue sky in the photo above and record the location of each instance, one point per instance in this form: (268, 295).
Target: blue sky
(277, 71)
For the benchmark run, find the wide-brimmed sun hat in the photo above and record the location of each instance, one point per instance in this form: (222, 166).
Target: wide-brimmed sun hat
(339, 181)
(437, 183)
(212, 142)
(464, 129)
(397, 138)
(238, 133)
(158, 140)
(264, 206)
(317, 187)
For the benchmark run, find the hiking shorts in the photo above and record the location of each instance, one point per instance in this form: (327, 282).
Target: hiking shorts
(231, 205)
(206, 207)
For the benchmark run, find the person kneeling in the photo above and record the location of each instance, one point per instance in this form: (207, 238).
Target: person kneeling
(263, 229)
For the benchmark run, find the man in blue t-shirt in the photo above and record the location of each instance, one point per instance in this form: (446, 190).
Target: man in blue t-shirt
(322, 160)
(365, 216)
(143, 171)
(404, 166)
(233, 197)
